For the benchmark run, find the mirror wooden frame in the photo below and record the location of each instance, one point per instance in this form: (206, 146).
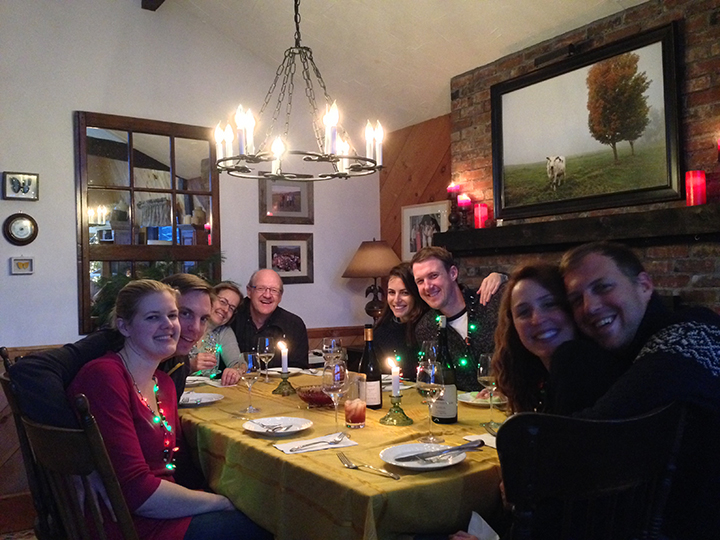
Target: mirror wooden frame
(102, 252)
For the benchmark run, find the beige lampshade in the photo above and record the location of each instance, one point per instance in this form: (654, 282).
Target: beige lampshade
(373, 259)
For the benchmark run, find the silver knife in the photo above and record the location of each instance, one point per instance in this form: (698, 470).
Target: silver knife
(425, 455)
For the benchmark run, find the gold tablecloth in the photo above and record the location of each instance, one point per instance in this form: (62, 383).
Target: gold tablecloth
(312, 496)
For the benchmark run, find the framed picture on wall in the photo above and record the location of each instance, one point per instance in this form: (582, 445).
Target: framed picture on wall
(597, 130)
(419, 223)
(285, 201)
(24, 186)
(289, 254)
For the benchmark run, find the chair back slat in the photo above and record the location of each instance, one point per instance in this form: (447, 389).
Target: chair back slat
(589, 479)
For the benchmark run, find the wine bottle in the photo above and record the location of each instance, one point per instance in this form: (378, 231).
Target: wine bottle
(444, 410)
(370, 366)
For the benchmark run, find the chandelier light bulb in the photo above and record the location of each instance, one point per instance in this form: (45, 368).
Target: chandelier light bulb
(379, 134)
(240, 127)
(249, 132)
(219, 137)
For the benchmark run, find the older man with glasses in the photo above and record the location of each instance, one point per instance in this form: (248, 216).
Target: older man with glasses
(260, 315)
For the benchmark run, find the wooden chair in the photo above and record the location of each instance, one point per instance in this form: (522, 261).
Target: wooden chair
(60, 458)
(47, 523)
(589, 479)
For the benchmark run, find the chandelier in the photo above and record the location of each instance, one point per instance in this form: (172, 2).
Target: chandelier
(235, 147)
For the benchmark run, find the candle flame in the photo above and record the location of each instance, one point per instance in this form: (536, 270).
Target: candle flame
(282, 345)
(391, 362)
(332, 116)
(379, 133)
(229, 135)
(219, 134)
(240, 117)
(369, 131)
(278, 148)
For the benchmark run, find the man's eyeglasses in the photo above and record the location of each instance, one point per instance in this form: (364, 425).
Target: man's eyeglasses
(227, 305)
(262, 290)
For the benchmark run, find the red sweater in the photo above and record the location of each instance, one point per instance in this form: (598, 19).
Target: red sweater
(134, 442)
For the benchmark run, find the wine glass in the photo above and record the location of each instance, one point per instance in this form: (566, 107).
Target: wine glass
(334, 383)
(249, 378)
(332, 349)
(266, 352)
(486, 377)
(430, 386)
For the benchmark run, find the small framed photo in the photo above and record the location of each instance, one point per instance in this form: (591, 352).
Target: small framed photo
(289, 254)
(22, 265)
(24, 186)
(419, 223)
(285, 201)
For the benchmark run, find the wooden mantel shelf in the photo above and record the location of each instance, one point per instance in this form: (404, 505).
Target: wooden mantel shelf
(639, 228)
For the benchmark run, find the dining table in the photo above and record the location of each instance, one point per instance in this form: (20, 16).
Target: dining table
(311, 495)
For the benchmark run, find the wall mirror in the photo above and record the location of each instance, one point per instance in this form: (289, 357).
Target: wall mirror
(147, 205)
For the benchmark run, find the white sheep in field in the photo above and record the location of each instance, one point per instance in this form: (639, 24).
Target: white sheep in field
(556, 171)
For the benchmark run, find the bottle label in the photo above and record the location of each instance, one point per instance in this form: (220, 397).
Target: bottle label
(373, 393)
(446, 405)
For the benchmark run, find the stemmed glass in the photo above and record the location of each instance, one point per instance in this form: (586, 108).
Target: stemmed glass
(430, 386)
(486, 377)
(266, 352)
(334, 383)
(332, 349)
(209, 345)
(249, 378)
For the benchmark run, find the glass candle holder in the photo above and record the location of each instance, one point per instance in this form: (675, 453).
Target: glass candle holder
(285, 388)
(396, 416)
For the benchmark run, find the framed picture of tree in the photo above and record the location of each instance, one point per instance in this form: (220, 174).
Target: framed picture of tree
(596, 130)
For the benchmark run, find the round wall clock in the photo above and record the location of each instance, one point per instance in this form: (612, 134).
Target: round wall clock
(20, 229)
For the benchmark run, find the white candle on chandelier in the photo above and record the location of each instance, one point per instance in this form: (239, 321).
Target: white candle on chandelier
(249, 131)
(278, 148)
(229, 137)
(369, 140)
(379, 134)
(240, 127)
(219, 136)
(343, 150)
(331, 120)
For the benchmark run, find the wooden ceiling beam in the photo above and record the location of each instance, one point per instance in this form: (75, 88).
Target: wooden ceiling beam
(152, 5)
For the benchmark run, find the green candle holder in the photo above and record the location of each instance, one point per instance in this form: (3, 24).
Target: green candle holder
(285, 388)
(396, 416)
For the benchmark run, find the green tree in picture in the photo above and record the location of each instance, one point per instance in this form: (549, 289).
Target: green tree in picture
(617, 104)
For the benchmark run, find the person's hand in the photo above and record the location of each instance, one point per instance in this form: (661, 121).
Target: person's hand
(490, 286)
(230, 376)
(462, 535)
(202, 361)
(97, 488)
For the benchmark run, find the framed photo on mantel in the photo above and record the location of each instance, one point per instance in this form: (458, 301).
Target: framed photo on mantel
(597, 130)
(419, 223)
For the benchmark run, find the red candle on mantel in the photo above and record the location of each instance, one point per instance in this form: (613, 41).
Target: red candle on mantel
(464, 200)
(695, 188)
(481, 215)
(453, 188)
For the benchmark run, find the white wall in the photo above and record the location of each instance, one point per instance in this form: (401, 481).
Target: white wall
(111, 56)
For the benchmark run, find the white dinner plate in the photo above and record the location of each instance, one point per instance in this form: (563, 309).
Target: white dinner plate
(470, 398)
(276, 371)
(196, 380)
(389, 454)
(290, 425)
(195, 399)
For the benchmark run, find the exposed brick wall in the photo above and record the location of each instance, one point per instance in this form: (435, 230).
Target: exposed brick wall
(690, 270)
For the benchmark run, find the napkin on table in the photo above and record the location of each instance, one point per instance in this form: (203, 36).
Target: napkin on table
(285, 447)
(486, 437)
(479, 528)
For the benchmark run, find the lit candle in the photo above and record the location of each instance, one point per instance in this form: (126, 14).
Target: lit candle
(284, 355)
(91, 215)
(219, 136)
(481, 215)
(695, 188)
(464, 200)
(229, 138)
(369, 140)
(277, 149)
(379, 134)
(331, 120)
(102, 212)
(453, 188)
(249, 133)
(343, 150)
(240, 127)
(395, 369)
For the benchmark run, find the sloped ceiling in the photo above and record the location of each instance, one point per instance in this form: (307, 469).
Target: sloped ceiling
(393, 59)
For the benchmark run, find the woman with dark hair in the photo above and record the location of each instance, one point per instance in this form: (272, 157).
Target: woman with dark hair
(227, 298)
(541, 362)
(135, 406)
(394, 334)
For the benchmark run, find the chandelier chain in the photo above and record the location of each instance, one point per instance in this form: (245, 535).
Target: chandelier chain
(297, 23)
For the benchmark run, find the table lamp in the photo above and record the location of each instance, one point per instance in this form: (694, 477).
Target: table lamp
(373, 260)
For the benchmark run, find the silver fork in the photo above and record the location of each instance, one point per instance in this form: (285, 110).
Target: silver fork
(350, 465)
(336, 440)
